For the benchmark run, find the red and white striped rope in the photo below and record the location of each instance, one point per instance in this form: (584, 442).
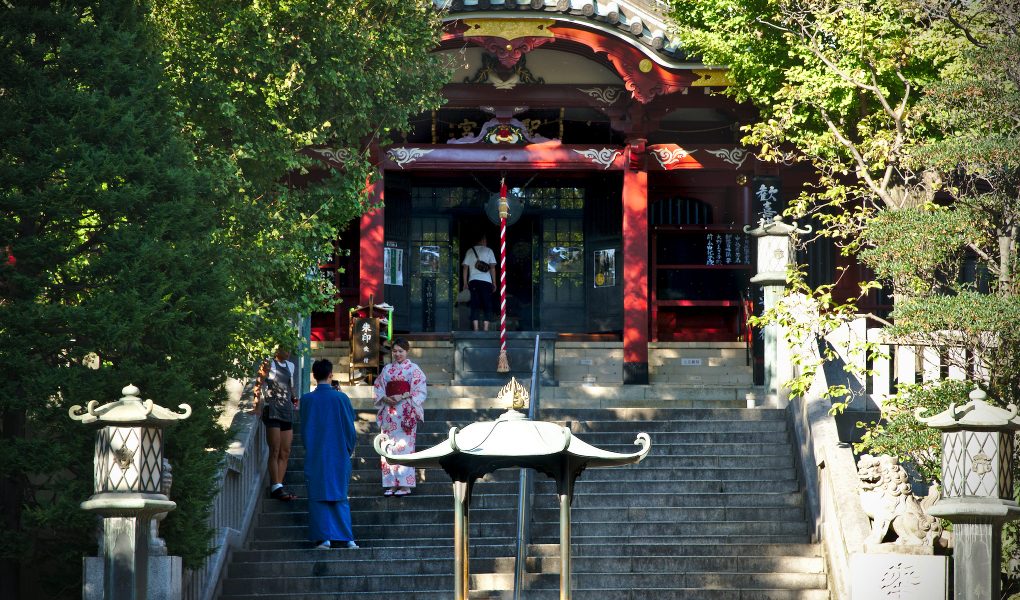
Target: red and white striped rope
(502, 281)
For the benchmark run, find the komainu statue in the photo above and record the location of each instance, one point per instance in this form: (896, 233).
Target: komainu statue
(887, 498)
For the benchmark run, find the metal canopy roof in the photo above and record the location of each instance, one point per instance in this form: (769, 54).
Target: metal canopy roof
(513, 441)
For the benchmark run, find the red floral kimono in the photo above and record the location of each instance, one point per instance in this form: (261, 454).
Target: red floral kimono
(400, 422)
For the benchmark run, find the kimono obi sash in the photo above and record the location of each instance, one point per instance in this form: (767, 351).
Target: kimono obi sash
(395, 388)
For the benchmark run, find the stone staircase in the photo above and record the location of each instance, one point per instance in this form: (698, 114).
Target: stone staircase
(715, 512)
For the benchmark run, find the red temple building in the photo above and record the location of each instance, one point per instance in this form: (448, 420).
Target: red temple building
(624, 168)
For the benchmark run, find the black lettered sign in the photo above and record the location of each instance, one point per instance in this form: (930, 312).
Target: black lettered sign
(365, 342)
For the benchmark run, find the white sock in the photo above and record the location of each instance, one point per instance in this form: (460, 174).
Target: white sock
(275, 487)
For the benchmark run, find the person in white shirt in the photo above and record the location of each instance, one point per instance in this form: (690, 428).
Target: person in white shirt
(479, 276)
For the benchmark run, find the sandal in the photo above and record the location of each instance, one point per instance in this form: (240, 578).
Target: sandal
(282, 494)
(402, 492)
(388, 492)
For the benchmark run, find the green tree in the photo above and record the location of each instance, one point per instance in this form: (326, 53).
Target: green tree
(115, 279)
(163, 218)
(255, 84)
(906, 112)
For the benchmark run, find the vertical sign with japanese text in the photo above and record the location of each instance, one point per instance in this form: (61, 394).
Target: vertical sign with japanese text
(365, 342)
(768, 201)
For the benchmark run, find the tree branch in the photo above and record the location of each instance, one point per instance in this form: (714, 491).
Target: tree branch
(862, 165)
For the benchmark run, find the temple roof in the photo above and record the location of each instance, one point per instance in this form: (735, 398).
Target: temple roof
(641, 22)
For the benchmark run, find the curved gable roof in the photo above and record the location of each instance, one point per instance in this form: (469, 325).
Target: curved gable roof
(640, 23)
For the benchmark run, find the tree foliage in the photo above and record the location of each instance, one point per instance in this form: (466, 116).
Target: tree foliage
(255, 84)
(907, 112)
(161, 219)
(116, 266)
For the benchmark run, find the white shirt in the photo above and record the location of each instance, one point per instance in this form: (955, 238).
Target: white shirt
(484, 254)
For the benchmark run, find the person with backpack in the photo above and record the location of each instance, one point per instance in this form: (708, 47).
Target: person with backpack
(478, 273)
(275, 402)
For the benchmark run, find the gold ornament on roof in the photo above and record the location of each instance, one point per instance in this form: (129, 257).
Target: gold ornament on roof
(712, 78)
(514, 394)
(508, 29)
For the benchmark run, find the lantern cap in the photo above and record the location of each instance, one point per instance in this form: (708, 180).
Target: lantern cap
(776, 227)
(129, 410)
(976, 414)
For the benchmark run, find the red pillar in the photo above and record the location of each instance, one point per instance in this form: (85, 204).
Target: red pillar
(635, 271)
(373, 232)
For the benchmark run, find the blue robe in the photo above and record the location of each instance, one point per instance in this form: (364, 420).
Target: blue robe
(327, 426)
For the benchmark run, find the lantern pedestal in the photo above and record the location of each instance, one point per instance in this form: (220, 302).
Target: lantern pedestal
(165, 578)
(977, 543)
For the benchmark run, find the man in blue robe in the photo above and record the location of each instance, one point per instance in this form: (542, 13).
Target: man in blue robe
(327, 426)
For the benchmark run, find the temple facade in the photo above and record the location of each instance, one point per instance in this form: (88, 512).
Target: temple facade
(628, 187)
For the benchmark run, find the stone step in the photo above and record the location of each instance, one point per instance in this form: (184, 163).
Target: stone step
(580, 549)
(668, 499)
(579, 593)
(589, 491)
(657, 459)
(676, 468)
(709, 451)
(462, 416)
(669, 444)
(346, 563)
(619, 441)
(545, 515)
(498, 529)
(352, 584)
(691, 395)
(625, 429)
(705, 541)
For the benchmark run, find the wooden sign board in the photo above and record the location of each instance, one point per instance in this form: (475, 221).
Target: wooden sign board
(365, 341)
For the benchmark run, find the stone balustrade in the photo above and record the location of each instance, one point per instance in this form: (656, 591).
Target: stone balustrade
(241, 483)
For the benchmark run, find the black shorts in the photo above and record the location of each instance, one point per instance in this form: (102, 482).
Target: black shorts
(277, 424)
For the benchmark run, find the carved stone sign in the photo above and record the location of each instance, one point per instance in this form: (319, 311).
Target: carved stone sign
(898, 577)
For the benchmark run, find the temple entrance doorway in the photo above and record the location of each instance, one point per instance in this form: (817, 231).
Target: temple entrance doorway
(520, 259)
(563, 254)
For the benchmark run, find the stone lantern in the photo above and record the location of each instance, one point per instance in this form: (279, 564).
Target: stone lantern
(977, 495)
(127, 491)
(775, 254)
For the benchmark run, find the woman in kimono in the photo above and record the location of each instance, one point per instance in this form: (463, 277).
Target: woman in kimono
(399, 396)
